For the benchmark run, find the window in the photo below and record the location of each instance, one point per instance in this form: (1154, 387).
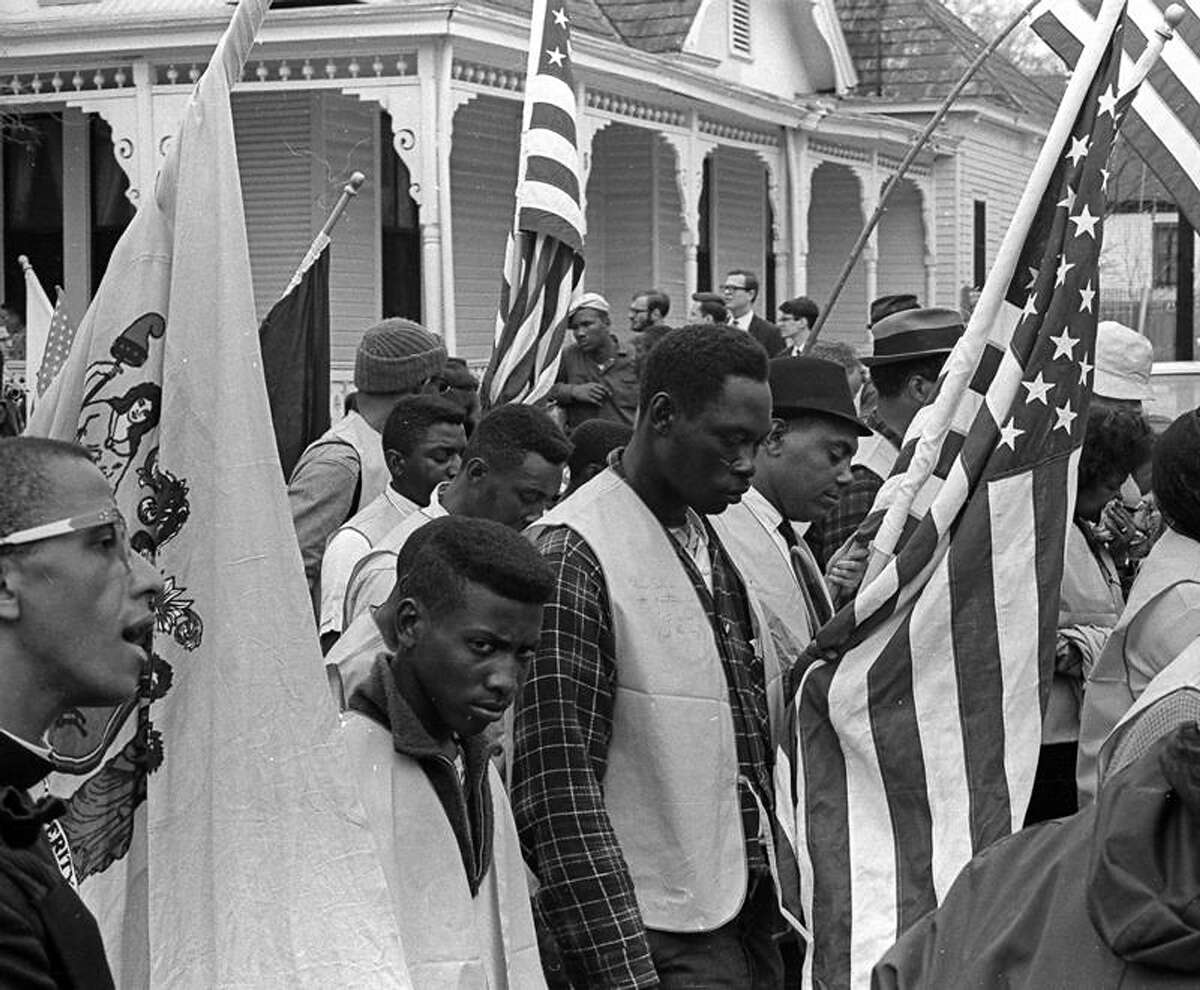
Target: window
(704, 280)
(31, 146)
(739, 26)
(1166, 255)
(400, 232)
(979, 244)
(111, 209)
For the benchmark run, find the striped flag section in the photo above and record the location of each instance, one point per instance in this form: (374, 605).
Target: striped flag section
(543, 263)
(916, 747)
(57, 347)
(1164, 124)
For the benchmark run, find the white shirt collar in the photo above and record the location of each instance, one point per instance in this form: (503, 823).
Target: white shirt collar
(743, 322)
(401, 502)
(435, 508)
(768, 515)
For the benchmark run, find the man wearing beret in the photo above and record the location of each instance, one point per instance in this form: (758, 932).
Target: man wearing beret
(345, 468)
(801, 470)
(910, 347)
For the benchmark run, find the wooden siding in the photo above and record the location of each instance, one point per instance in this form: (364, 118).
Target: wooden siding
(274, 156)
(834, 220)
(901, 241)
(739, 203)
(483, 179)
(350, 135)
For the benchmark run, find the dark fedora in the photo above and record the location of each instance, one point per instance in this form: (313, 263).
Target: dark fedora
(887, 305)
(914, 333)
(802, 385)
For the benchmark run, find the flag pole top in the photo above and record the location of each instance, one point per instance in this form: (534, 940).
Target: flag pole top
(349, 191)
(1172, 17)
(23, 260)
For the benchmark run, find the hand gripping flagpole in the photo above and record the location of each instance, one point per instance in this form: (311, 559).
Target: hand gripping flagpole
(918, 145)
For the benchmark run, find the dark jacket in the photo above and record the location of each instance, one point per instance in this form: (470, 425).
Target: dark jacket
(768, 335)
(1106, 898)
(468, 806)
(48, 938)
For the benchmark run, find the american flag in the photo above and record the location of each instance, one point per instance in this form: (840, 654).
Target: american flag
(543, 262)
(58, 345)
(916, 747)
(1164, 123)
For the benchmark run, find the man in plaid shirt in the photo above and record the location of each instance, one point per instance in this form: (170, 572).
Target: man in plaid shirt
(643, 740)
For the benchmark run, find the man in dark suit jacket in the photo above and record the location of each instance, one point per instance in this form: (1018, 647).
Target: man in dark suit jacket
(740, 290)
(75, 628)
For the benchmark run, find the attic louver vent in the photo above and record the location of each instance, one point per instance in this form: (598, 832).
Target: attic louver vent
(739, 26)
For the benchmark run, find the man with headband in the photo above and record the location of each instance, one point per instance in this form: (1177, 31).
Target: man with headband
(75, 629)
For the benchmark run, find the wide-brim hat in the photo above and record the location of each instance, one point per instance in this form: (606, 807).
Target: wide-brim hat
(1124, 359)
(802, 385)
(885, 306)
(914, 333)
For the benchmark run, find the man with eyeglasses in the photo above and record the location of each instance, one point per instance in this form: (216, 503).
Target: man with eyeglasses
(740, 290)
(76, 621)
(345, 469)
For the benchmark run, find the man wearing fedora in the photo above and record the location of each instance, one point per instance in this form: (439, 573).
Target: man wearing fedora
(910, 347)
(801, 470)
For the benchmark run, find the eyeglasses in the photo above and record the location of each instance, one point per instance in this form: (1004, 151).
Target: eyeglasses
(110, 515)
(729, 290)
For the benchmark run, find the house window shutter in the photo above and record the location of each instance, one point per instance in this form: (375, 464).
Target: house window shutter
(739, 26)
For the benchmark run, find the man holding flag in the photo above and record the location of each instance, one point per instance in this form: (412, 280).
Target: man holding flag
(218, 805)
(916, 747)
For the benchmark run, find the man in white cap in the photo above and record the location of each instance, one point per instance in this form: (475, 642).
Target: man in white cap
(598, 376)
(345, 468)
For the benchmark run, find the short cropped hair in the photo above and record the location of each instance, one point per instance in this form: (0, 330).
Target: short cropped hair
(714, 309)
(413, 415)
(1116, 441)
(890, 379)
(837, 351)
(691, 364)
(1177, 474)
(509, 433)
(593, 440)
(437, 561)
(655, 299)
(748, 277)
(25, 481)
(801, 308)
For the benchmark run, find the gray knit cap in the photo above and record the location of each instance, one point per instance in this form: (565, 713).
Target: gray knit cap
(396, 355)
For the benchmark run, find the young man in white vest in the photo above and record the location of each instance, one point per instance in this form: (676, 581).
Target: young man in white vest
(802, 469)
(512, 469)
(423, 442)
(644, 735)
(344, 469)
(909, 349)
(465, 618)
(76, 621)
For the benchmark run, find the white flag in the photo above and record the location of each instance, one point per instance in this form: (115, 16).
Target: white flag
(247, 861)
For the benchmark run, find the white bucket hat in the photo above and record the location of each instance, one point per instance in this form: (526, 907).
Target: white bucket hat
(1123, 361)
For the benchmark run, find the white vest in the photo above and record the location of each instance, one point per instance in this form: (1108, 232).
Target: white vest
(378, 519)
(671, 786)
(1108, 694)
(368, 444)
(452, 941)
(769, 572)
(877, 454)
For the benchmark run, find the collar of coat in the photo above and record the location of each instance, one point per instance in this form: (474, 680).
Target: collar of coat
(468, 805)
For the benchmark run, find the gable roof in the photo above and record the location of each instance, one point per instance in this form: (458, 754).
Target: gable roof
(651, 25)
(916, 50)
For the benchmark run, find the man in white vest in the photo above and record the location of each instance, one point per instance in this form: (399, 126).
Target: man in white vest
(801, 470)
(512, 469)
(645, 732)
(465, 618)
(423, 442)
(908, 350)
(344, 469)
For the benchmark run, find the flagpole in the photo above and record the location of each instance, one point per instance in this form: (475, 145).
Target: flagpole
(894, 180)
(349, 191)
(1165, 31)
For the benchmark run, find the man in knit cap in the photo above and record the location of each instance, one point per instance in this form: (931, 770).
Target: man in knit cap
(345, 468)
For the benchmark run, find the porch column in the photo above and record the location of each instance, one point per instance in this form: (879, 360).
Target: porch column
(690, 151)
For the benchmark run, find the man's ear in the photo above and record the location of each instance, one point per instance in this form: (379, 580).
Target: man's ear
(408, 625)
(772, 444)
(395, 462)
(10, 604)
(476, 469)
(661, 412)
